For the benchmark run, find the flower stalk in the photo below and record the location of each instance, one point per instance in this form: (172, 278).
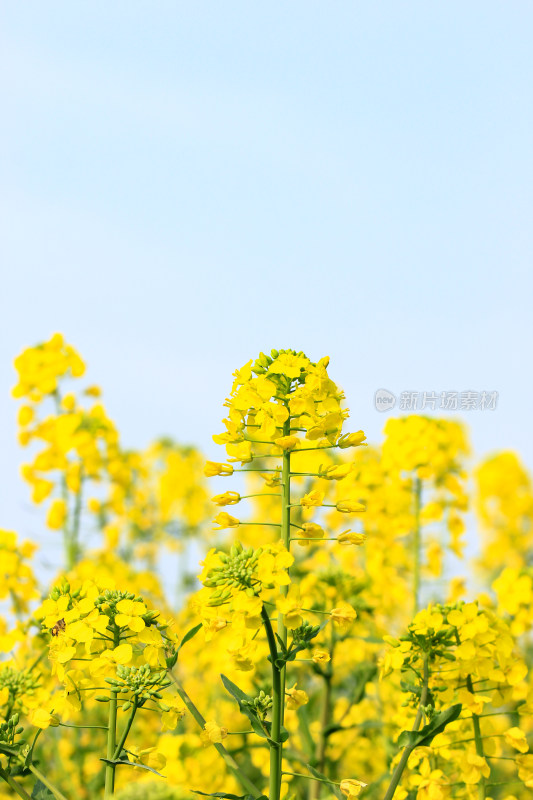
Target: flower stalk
(111, 732)
(478, 741)
(417, 544)
(279, 675)
(14, 785)
(402, 763)
(44, 780)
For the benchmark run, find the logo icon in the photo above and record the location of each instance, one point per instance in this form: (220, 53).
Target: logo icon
(384, 400)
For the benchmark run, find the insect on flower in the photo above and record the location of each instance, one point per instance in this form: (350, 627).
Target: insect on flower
(58, 628)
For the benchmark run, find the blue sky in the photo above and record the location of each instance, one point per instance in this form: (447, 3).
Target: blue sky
(185, 184)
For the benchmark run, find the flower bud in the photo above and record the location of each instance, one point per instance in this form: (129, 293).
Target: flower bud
(351, 788)
(350, 537)
(213, 468)
(286, 442)
(349, 506)
(226, 499)
(224, 520)
(321, 656)
(352, 440)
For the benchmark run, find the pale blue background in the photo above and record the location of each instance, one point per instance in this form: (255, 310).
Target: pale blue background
(185, 184)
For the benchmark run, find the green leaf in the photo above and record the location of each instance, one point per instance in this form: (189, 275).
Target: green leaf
(5, 750)
(234, 690)
(284, 734)
(190, 635)
(411, 687)
(258, 727)
(426, 735)
(127, 763)
(319, 776)
(29, 755)
(41, 792)
(242, 699)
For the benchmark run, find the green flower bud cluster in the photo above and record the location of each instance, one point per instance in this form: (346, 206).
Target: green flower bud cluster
(335, 576)
(9, 730)
(91, 424)
(260, 704)
(238, 569)
(107, 604)
(434, 642)
(263, 362)
(111, 597)
(140, 682)
(429, 711)
(305, 633)
(351, 588)
(19, 683)
(220, 597)
(64, 589)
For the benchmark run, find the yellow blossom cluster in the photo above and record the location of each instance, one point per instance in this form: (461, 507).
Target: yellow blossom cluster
(78, 462)
(469, 661)
(17, 580)
(308, 663)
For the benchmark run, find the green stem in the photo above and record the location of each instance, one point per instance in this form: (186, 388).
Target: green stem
(111, 734)
(263, 524)
(99, 727)
(127, 728)
(260, 494)
(306, 735)
(285, 537)
(325, 717)
(312, 778)
(67, 538)
(75, 532)
(478, 740)
(417, 545)
(277, 713)
(66, 527)
(44, 780)
(14, 785)
(308, 449)
(255, 469)
(315, 539)
(320, 753)
(279, 675)
(230, 761)
(402, 763)
(305, 475)
(278, 702)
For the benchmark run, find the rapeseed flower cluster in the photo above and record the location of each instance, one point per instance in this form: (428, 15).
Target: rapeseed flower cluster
(338, 678)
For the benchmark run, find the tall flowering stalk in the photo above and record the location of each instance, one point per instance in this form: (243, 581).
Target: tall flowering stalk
(76, 445)
(78, 466)
(459, 664)
(279, 405)
(124, 645)
(426, 455)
